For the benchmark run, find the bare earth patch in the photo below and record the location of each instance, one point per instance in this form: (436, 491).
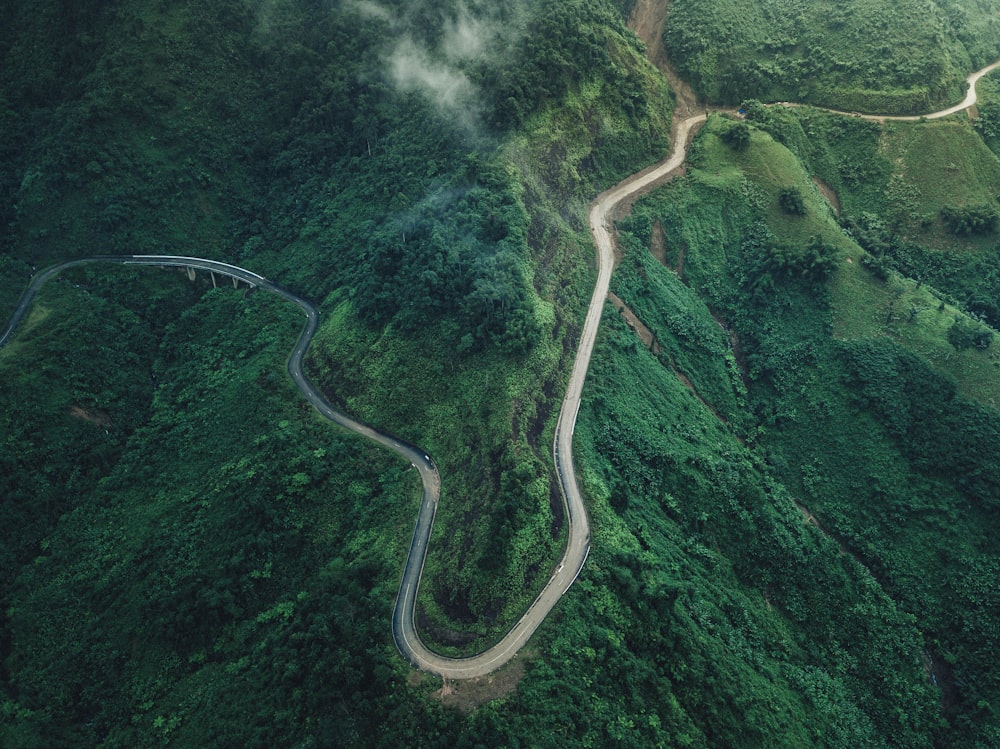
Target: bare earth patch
(465, 695)
(644, 333)
(99, 418)
(658, 243)
(647, 21)
(829, 193)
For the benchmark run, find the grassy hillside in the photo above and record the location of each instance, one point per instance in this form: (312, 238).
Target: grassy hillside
(904, 57)
(909, 193)
(868, 411)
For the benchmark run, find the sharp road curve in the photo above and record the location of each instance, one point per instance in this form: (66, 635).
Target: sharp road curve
(404, 632)
(578, 536)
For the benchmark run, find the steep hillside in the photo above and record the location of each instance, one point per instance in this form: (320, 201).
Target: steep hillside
(451, 262)
(873, 416)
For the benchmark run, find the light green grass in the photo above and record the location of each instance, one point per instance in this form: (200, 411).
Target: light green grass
(863, 306)
(945, 164)
(769, 167)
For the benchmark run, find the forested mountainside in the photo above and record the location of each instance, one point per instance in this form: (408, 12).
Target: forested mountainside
(789, 435)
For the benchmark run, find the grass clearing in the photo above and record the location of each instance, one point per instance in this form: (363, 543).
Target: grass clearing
(938, 165)
(917, 318)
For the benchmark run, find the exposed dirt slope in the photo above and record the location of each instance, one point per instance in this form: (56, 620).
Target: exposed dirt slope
(647, 21)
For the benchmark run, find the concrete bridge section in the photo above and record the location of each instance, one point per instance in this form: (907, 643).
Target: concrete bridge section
(193, 264)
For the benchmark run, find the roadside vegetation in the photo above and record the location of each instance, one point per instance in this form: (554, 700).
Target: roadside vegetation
(871, 398)
(907, 57)
(792, 484)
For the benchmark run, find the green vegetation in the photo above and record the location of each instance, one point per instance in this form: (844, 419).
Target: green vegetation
(791, 201)
(317, 166)
(907, 57)
(987, 120)
(199, 554)
(867, 432)
(737, 136)
(792, 475)
(895, 185)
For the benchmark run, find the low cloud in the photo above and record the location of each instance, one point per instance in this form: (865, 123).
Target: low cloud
(466, 37)
(370, 9)
(438, 71)
(412, 68)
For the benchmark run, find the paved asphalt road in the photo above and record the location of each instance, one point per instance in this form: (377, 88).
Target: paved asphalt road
(578, 543)
(403, 615)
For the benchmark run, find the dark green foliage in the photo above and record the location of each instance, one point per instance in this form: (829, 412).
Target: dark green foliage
(831, 53)
(987, 120)
(939, 432)
(737, 136)
(216, 565)
(227, 525)
(987, 123)
(815, 262)
(893, 463)
(753, 109)
(971, 219)
(192, 602)
(765, 259)
(703, 511)
(964, 334)
(56, 454)
(790, 200)
(564, 44)
(459, 256)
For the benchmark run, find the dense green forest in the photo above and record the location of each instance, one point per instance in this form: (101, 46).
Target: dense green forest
(789, 435)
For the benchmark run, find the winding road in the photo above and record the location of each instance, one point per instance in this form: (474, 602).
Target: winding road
(971, 97)
(578, 543)
(404, 631)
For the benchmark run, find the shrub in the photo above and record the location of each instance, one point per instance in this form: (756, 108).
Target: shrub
(965, 333)
(737, 136)
(973, 219)
(790, 200)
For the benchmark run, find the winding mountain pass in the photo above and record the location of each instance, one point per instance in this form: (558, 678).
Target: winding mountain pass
(601, 217)
(601, 214)
(404, 631)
